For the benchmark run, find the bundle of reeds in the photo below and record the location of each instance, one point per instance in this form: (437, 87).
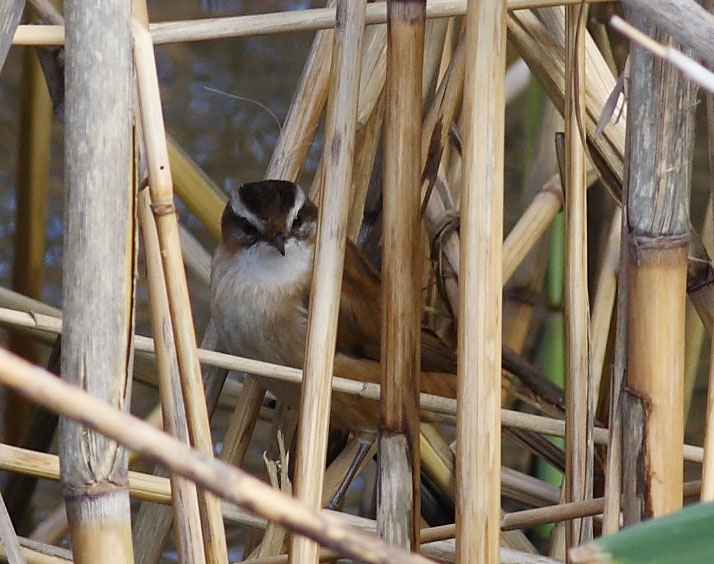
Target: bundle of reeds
(414, 96)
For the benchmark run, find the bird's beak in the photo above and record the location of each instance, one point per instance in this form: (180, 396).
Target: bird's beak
(278, 241)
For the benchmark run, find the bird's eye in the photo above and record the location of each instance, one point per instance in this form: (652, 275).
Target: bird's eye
(297, 222)
(248, 230)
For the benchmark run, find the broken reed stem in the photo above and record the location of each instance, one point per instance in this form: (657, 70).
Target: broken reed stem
(399, 480)
(187, 517)
(478, 443)
(579, 456)
(179, 302)
(315, 399)
(230, 483)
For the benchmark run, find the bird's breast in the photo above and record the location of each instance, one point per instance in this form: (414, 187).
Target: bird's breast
(258, 301)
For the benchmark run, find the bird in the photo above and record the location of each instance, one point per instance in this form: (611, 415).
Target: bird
(261, 274)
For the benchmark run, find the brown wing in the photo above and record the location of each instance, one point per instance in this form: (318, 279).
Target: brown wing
(358, 328)
(358, 332)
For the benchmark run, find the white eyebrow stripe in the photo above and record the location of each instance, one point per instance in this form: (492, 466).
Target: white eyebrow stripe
(241, 211)
(297, 206)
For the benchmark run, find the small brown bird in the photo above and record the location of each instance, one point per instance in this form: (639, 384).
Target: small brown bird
(260, 286)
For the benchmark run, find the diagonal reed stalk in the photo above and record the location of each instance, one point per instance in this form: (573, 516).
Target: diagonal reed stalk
(211, 474)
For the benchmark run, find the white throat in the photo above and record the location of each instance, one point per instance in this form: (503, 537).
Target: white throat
(262, 265)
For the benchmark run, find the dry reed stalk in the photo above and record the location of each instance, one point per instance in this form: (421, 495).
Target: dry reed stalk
(33, 316)
(685, 20)
(399, 480)
(438, 208)
(156, 489)
(441, 551)
(579, 411)
(305, 110)
(541, 46)
(200, 194)
(98, 271)
(603, 305)
(307, 20)
(708, 464)
(242, 422)
(366, 148)
(370, 116)
(13, 301)
(525, 249)
(364, 390)
(211, 474)
(39, 35)
(707, 493)
(10, 15)
(38, 553)
(479, 333)
(540, 41)
(23, 424)
(361, 446)
(8, 538)
(660, 115)
(438, 463)
(329, 261)
(435, 36)
(187, 517)
(146, 487)
(531, 225)
(279, 22)
(166, 223)
(695, 331)
(274, 536)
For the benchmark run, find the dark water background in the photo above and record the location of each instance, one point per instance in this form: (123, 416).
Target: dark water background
(230, 139)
